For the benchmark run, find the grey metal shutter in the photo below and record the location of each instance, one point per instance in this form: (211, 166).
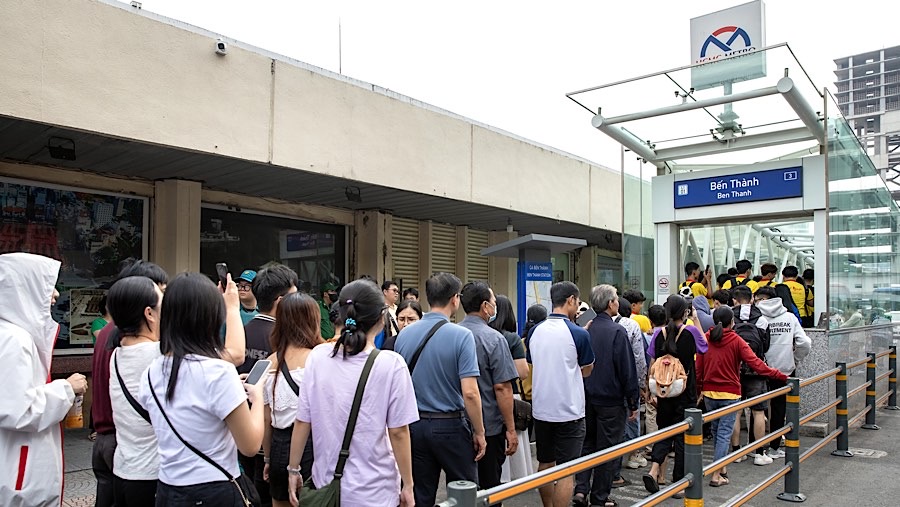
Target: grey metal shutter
(405, 252)
(443, 248)
(477, 264)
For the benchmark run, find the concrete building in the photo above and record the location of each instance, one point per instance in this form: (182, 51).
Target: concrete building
(868, 93)
(251, 157)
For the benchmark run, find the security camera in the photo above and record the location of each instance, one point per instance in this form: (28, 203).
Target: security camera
(221, 46)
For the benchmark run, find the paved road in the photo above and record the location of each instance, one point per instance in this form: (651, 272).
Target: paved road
(867, 479)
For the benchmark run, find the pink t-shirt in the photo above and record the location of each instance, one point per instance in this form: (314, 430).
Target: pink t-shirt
(371, 476)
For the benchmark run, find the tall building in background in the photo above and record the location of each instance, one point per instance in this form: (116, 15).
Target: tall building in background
(868, 92)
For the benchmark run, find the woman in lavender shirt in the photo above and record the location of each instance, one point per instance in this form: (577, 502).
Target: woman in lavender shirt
(380, 454)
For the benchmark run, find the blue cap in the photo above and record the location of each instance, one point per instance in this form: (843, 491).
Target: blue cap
(248, 275)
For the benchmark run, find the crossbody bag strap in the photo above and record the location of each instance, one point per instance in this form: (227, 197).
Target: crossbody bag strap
(131, 401)
(354, 414)
(415, 357)
(183, 441)
(282, 365)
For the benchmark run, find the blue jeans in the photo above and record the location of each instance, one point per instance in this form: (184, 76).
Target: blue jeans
(721, 427)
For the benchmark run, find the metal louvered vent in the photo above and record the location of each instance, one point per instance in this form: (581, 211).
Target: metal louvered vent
(405, 247)
(477, 263)
(443, 248)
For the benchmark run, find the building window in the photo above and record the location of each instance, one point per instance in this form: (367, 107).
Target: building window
(90, 232)
(249, 241)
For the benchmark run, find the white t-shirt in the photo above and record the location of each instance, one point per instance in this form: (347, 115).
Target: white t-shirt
(136, 458)
(284, 410)
(558, 349)
(207, 391)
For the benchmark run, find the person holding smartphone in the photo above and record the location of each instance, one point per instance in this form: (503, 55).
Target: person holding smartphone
(176, 388)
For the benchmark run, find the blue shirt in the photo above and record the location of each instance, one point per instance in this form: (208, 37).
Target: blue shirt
(448, 357)
(558, 349)
(496, 365)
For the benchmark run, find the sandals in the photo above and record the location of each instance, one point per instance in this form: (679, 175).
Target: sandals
(650, 483)
(721, 482)
(620, 483)
(610, 503)
(579, 500)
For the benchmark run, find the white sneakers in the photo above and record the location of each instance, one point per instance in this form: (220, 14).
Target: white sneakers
(776, 454)
(761, 459)
(636, 461)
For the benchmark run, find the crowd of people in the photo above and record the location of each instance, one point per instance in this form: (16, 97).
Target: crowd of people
(367, 397)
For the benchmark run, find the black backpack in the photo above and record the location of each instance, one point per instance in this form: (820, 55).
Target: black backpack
(758, 340)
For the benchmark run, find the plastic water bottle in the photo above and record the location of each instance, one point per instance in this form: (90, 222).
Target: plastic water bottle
(75, 417)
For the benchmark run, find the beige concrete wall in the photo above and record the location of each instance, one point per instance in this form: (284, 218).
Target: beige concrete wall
(175, 242)
(120, 72)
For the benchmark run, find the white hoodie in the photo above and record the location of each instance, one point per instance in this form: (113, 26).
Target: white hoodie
(31, 408)
(789, 342)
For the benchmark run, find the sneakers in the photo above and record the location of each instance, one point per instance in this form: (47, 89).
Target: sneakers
(742, 459)
(636, 461)
(761, 459)
(776, 454)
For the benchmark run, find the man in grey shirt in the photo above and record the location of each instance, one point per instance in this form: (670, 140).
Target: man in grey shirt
(498, 370)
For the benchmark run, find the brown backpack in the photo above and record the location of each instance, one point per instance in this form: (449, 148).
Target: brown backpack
(667, 376)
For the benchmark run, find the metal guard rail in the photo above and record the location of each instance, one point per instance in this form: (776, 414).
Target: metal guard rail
(464, 494)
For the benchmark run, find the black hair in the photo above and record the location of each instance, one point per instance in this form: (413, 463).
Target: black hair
(768, 269)
(634, 295)
(440, 289)
(790, 272)
(757, 278)
(191, 319)
(126, 301)
(676, 307)
(535, 314)
(657, 315)
(743, 266)
(412, 290)
(722, 296)
(690, 267)
(362, 308)
(474, 294)
(387, 284)
(369, 278)
(624, 307)
(732, 272)
(506, 317)
(767, 291)
(271, 283)
(138, 267)
(809, 274)
(561, 291)
(334, 313)
(408, 303)
(787, 299)
(742, 293)
(723, 317)
(722, 278)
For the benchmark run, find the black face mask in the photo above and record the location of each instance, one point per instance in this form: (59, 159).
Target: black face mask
(332, 296)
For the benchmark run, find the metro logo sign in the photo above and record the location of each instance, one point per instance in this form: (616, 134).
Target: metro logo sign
(732, 35)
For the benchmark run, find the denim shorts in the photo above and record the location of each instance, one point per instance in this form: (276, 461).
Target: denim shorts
(559, 442)
(755, 386)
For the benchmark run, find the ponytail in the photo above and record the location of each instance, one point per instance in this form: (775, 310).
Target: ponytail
(715, 334)
(723, 317)
(361, 309)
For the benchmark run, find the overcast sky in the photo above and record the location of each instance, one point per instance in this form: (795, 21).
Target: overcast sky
(510, 63)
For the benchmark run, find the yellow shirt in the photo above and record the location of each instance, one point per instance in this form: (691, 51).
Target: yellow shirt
(642, 321)
(697, 288)
(751, 284)
(719, 395)
(767, 283)
(801, 297)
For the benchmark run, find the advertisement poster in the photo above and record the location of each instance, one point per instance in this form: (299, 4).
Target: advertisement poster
(534, 281)
(85, 308)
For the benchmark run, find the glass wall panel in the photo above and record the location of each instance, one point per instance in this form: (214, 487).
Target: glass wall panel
(863, 233)
(638, 230)
(248, 241)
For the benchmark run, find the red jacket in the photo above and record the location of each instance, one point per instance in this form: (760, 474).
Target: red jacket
(719, 369)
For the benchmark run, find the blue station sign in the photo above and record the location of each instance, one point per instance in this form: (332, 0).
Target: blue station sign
(735, 188)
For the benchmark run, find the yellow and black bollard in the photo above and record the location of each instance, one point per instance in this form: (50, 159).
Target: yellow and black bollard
(693, 458)
(871, 393)
(792, 445)
(843, 440)
(892, 380)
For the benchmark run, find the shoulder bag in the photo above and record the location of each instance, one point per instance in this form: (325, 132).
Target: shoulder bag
(242, 482)
(131, 401)
(330, 494)
(418, 352)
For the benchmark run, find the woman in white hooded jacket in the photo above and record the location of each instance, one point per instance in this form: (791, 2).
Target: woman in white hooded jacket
(30, 434)
(789, 344)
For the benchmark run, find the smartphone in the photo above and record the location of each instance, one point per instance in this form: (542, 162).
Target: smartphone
(586, 317)
(222, 271)
(258, 370)
(707, 269)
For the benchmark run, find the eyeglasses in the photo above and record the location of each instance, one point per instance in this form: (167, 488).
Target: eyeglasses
(395, 290)
(244, 288)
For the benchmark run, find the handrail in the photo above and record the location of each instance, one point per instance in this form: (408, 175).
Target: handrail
(743, 451)
(859, 416)
(822, 376)
(502, 492)
(747, 496)
(860, 388)
(884, 376)
(858, 362)
(809, 417)
(722, 412)
(881, 399)
(666, 493)
(820, 444)
(882, 353)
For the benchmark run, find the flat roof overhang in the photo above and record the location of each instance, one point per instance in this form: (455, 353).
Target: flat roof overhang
(25, 142)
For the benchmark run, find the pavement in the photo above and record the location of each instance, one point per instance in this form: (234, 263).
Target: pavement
(867, 479)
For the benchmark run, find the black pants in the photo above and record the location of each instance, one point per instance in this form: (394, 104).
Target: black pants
(440, 444)
(279, 458)
(102, 463)
(808, 322)
(253, 466)
(491, 465)
(605, 428)
(134, 493)
(218, 493)
(670, 411)
(778, 409)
